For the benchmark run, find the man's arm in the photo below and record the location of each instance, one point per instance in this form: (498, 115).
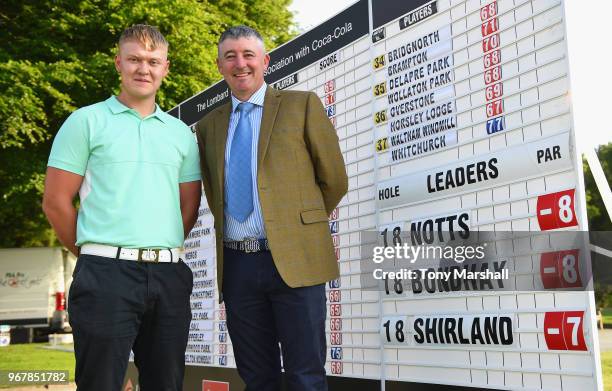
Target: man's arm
(322, 141)
(60, 189)
(190, 193)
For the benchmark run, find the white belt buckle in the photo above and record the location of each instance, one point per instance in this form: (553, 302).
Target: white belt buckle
(149, 255)
(251, 245)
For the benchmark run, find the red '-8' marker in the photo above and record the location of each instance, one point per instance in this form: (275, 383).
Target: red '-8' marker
(556, 210)
(560, 269)
(564, 330)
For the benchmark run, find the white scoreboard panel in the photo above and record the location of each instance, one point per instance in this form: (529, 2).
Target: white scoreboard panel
(449, 114)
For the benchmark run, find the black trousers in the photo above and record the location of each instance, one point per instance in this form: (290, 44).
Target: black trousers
(116, 306)
(263, 311)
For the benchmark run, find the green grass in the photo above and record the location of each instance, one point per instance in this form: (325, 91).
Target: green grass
(34, 356)
(606, 368)
(607, 316)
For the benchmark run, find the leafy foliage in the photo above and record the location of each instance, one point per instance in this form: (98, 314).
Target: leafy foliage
(599, 220)
(56, 56)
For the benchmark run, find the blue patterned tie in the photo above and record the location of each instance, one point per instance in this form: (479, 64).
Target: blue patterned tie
(240, 182)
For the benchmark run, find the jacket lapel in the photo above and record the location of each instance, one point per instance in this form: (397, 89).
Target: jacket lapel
(271, 103)
(221, 125)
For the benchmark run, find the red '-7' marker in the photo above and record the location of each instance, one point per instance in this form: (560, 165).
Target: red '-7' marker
(564, 330)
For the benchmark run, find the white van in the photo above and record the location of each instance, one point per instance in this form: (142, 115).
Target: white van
(33, 288)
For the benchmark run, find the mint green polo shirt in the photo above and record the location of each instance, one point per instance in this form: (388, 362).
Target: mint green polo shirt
(132, 168)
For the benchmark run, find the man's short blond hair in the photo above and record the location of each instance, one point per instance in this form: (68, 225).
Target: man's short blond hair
(149, 36)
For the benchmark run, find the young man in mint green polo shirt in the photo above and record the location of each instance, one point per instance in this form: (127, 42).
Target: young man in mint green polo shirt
(136, 170)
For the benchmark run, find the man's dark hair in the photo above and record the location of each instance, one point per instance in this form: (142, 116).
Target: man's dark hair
(236, 32)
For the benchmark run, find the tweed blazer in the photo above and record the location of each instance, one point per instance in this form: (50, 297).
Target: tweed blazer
(301, 177)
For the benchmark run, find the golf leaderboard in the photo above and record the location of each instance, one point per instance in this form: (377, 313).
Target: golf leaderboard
(454, 118)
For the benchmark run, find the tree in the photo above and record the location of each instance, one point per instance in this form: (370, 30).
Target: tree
(599, 220)
(600, 227)
(56, 56)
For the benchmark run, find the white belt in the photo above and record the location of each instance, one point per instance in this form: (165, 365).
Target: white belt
(132, 254)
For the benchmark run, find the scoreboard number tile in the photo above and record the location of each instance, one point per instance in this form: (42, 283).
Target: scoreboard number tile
(492, 58)
(335, 309)
(380, 117)
(394, 330)
(489, 27)
(335, 353)
(334, 214)
(382, 144)
(556, 210)
(334, 284)
(334, 296)
(490, 42)
(335, 338)
(495, 108)
(488, 11)
(329, 86)
(380, 89)
(493, 75)
(564, 330)
(379, 62)
(560, 269)
(494, 91)
(335, 324)
(395, 286)
(336, 367)
(497, 124)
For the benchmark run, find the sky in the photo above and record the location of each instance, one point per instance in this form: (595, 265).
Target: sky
(590, 59)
